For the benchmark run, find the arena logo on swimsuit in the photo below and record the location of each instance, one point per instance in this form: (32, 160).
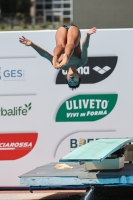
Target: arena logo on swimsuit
(95, 70)
(88, 107)
(12, 74)
(16, 145)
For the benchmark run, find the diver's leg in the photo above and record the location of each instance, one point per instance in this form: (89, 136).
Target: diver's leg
(61, 40)
(73, 40)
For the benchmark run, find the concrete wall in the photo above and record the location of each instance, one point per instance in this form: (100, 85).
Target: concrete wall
(103, 13)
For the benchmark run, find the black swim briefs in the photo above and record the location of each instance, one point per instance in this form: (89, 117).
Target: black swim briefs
(67, 26)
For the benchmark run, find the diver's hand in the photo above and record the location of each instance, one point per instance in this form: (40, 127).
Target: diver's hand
(55, 62)
(64, 60)
(91, 31)
(25, 41)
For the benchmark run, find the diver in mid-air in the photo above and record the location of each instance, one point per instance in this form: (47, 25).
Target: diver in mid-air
(67, 54)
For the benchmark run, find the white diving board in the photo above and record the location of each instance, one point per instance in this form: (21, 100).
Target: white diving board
(97, 150)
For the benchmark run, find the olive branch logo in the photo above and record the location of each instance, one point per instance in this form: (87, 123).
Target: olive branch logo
(28, 106)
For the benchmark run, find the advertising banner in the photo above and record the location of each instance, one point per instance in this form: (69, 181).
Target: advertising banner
(41, 118)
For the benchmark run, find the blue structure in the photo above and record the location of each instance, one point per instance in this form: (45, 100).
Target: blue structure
(47, 176)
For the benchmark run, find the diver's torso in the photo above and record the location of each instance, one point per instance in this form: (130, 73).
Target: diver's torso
(73, 61)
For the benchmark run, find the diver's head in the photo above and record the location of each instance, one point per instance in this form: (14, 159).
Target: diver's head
(73, 78)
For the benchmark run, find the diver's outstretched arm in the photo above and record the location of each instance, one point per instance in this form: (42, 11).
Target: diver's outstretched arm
(85, 45)
(41, 51)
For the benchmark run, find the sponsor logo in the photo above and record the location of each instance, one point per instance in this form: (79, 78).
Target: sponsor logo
(95, 70)
(101, 70)
(12, 74)
(74, 143)
(16, 145)
(88, 107)
(16, 111)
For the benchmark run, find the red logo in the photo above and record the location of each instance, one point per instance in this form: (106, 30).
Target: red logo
(16, 145)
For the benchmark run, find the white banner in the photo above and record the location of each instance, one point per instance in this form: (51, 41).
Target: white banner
(41, 118)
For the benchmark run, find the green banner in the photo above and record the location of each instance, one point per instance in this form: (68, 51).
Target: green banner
(87, 107)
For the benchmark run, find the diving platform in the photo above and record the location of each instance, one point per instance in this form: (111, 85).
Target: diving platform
(104, 162)
(97, 150)
(48, 177)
